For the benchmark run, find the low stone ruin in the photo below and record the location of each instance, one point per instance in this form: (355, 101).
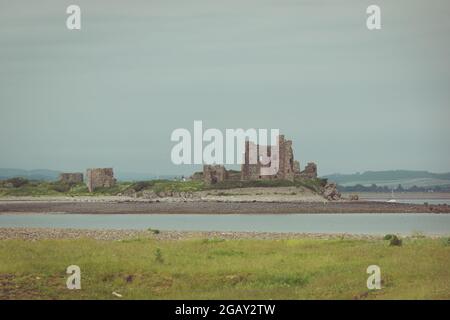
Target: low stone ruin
(100, 178)
(71, 178)
(288, 167)
(331, 192)
(310, 171)
(213, 174)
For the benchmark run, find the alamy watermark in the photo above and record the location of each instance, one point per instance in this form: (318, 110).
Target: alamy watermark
(74, 280)
(235, 146)
(73, 21)
(374, 280)
(373, 21)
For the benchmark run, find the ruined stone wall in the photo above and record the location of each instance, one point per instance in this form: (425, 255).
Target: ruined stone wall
(214, 173)
(75, 177)
(100, 178)
(233, 175)
(250, 171)
(286, 154)
(296, 167)
(197, 176)
(209, 175)
(286, 163)
(288, 167)
(310, 171)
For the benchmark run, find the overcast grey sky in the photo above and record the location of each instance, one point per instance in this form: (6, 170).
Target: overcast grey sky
(111, 94)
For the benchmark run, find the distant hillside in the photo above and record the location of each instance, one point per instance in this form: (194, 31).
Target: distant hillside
(392, 178)
(39, 174)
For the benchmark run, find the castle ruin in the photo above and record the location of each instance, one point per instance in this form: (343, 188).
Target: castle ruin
(288, 167)
(100, 178)
(213, 174)
(310, 171)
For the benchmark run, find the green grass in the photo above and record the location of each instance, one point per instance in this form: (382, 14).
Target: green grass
(178, 186)
(192, 185)
(44, 188)
(225, 269)
(312, 184)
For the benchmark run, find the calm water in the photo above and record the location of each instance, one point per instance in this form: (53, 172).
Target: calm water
(416, 201)
(437, 224)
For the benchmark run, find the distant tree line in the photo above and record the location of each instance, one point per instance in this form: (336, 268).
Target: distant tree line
(399, 188)
(386, 175)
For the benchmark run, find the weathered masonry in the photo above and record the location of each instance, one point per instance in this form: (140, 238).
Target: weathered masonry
(288, 167)
(100, 178)
(75, 177)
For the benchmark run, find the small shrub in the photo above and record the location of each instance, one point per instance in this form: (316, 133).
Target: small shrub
(158, 256)
(154, 231)
(446, 241)
(142, 185)
(61, 187)
(395, 241)
(388, 236)
(79, 189)
(17, 182)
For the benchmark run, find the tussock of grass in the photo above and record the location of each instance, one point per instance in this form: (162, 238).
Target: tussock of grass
(154, 231)
(395, 241)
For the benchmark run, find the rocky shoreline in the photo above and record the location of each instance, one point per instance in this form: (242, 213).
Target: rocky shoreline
(127, 206)
(34, 234)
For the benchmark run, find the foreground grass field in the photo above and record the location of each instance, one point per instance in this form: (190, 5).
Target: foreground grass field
(225, 269)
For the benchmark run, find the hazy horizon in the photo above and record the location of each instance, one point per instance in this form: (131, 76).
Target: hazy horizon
(109, 95)
(153, 173)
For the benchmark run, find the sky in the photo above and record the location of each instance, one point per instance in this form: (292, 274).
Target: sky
(111, 94)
